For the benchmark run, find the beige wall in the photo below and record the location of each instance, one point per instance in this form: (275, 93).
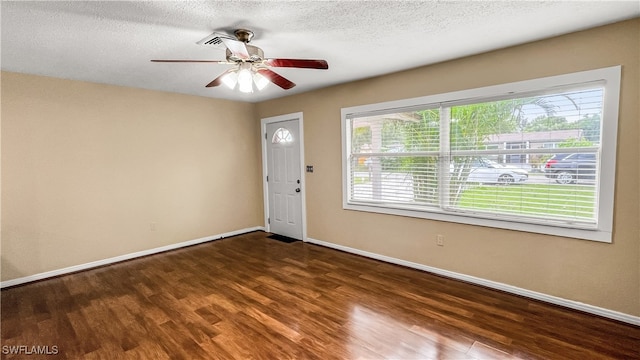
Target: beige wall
(604, 275)
(86, 169)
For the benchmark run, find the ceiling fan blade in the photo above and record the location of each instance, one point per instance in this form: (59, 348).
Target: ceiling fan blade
(276, 79)
(297, 63)
(217, 81)
(237, 48)
(192, 61)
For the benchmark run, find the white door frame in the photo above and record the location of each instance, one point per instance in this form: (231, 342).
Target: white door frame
(265, 183)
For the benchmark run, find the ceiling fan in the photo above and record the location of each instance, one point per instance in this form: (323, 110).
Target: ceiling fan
(251, 67)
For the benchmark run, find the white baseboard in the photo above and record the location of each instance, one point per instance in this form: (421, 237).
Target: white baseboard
(124, 257)
(611, 314)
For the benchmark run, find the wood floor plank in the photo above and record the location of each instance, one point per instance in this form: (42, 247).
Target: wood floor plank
(251, 297)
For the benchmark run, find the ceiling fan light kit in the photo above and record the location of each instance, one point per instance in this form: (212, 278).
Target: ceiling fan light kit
(230, 79)
(245, 79)
(251, 67)
(260, 81)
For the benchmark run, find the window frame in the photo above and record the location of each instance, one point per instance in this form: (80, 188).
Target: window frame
(609, 77)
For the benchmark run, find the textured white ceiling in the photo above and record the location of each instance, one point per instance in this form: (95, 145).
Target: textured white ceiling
(112, 42)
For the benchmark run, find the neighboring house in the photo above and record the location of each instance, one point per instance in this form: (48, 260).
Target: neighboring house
(512, 141)
(529, 140)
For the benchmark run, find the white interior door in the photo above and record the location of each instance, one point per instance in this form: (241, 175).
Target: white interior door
(284, 178)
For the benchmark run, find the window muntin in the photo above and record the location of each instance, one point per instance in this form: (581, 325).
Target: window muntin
(468, 160)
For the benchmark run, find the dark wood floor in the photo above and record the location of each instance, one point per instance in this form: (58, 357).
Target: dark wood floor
(250, 297)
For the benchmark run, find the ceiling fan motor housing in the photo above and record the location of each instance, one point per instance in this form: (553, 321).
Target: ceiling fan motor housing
(243, 35)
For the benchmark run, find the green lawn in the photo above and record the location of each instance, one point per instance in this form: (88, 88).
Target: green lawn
(563, 200)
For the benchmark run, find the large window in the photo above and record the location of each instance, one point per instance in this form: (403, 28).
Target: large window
(537, 155)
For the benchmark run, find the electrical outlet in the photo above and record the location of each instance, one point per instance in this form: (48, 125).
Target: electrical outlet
(440, 240)
(153, 226)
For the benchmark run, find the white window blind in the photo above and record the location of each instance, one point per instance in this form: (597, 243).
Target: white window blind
(531, 157)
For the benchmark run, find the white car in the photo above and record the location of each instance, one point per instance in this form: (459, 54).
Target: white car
(485, 171)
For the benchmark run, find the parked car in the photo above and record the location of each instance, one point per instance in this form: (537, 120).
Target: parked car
(571, 168)
(486, 171)
(558, 157)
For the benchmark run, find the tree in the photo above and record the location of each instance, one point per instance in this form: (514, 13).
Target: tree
(573, 143)
(472, 125)
(423, 135)
(361, 136)
(360, 140)
(548, 123)
(590, 125)
(538, 102)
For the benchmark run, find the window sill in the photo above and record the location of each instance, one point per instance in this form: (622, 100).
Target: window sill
(584, 234)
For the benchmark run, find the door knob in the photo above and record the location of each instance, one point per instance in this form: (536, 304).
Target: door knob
(298, 190)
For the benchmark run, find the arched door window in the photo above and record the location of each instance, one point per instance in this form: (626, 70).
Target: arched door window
(281, 136)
